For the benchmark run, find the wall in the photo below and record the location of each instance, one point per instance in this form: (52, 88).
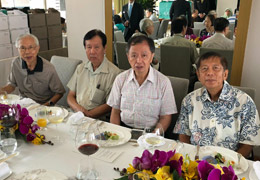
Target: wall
(223, 4)
(251, 73)
(83, 16)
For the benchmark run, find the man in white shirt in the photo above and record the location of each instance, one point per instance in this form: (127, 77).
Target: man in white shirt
(149, 14)
(219, 40)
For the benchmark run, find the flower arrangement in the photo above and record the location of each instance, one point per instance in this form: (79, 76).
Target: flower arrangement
(173, 166)
(16, 119)
(197, 40)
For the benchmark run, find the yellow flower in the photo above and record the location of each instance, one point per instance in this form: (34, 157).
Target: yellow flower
(1, 128)
(189, 169)
(37, 141)
(176, 157)
(131, 169)
(217, 166)
(163, 173)
(149, 172)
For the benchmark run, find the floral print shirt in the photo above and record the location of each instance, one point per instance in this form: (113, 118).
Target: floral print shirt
(231, 120)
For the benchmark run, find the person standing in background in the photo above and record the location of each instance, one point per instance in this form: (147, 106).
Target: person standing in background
(203, 7)
(132, 13)
(178, 8)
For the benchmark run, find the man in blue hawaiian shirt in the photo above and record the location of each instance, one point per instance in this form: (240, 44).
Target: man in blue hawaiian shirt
(218, 114)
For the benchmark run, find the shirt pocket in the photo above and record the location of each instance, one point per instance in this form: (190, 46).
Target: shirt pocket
(98, 96)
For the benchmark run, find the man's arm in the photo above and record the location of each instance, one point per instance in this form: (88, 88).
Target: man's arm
(245, 150)
(165, 121)
(54, 99)
(115, 116)
(184, 138)
(94, 113)
(8, 88)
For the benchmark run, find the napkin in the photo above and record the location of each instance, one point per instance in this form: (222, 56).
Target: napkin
(5, 171)
(256, 166)
(24, 101)
(145, 139)
(76, 118)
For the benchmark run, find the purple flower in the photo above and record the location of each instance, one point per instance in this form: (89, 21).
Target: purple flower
(24, 113)
(35, 128)
(215, 174)
(159, 159)
(30, 137)
(229, 174)
(193, 36)
(24, 129)
(28, 120)
(204, 169)
(144, 162)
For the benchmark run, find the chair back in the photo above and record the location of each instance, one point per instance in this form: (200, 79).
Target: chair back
(180, 90)
(196, 31)
(156, 25)
(232, 26)
(228, 54)
(121, 56)
(199, 25)
(119, 36)
(248, 90)
(65, 68)
(175, 61)
(163, 28)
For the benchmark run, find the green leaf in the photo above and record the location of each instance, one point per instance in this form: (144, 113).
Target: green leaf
(176, 176)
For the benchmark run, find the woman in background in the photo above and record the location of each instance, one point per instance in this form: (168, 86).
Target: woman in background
(209, 24)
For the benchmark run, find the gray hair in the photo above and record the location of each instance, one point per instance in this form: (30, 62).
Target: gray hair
(17, 42)
(145, 23)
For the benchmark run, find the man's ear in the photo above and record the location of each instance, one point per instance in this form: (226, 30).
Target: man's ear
(226, 74)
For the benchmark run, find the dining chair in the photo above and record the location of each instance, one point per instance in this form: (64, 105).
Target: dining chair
(118, 36)
(163, 28)
(156, 25)
(180, 90)
(121, 56)
(199, 25)
(228, 54)
(175, 61)
(248, 90)
(196, 31)
(65, 68)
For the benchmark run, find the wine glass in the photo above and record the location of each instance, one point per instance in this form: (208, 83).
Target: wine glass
(88, 142)
(41, 116)
(56, 115)
(153, 134)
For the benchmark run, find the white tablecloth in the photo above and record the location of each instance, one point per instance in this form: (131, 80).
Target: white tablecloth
(64, 158)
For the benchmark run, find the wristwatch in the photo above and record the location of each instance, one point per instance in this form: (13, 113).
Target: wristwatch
(51, 103)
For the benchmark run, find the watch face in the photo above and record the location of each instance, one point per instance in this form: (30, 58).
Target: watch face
(51, 103)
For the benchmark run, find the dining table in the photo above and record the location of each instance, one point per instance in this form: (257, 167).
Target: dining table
(64, 157)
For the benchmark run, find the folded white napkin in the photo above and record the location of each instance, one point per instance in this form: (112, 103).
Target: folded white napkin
(5, 171)
(256, 166)
(24, 101)
(76, 118)
(150, 139)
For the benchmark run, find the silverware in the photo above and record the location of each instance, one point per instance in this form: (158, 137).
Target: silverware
(238, 161)
(8, 157)
(197, 153)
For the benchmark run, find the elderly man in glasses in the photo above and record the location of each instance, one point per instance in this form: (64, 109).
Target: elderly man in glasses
(35, 77)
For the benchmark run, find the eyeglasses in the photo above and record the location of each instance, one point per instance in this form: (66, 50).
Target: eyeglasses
(205, 69)
(30, 48)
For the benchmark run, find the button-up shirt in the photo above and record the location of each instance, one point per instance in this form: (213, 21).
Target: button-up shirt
(231, 120)
(218, 41)
(142, 105)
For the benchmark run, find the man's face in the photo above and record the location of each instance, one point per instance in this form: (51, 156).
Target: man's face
(212, 74)
(140, 57)
(95, 50)
(28, 49)
(131, 1)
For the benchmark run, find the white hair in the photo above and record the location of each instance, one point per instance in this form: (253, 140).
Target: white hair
(17, 42)
(145, 23)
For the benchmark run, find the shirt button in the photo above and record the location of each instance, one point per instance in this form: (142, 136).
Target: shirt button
(212, 121)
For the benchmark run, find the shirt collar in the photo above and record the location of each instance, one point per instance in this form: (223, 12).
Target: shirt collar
(224, 95)
(103, 67)
(131, 3)
(150, 76)
(179, 34)
(38, 67)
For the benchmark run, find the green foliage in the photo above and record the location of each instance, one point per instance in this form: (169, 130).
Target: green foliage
(147, 4)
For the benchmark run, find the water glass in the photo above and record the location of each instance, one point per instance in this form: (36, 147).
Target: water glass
(8, 142)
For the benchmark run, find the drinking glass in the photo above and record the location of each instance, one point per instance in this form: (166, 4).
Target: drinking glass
(8, 142)
(55, 116)
(88, 142)
(41, 116)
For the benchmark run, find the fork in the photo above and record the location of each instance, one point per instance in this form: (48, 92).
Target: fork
(197, 153)
(238, 164)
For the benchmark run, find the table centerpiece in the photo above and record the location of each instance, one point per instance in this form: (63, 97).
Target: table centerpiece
(16, 120)
(174, 166)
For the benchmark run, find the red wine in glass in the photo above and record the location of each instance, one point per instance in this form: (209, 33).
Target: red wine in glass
(88, 149)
